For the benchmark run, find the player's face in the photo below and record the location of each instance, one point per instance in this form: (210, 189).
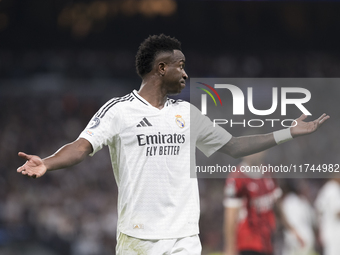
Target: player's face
(175, 76)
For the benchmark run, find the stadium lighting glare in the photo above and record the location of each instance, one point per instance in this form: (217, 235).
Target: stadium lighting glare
(82, 18)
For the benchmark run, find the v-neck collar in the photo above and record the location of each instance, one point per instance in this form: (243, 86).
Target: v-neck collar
(141, 99)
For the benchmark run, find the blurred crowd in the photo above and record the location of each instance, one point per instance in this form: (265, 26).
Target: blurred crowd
(87, 64)
(73, 211)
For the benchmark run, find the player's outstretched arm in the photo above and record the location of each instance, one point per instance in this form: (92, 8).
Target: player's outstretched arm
(246, 145)
(66, 156)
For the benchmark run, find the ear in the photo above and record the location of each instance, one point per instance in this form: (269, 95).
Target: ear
(161, 68)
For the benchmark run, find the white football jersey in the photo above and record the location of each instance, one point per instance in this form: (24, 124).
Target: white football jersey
(150, 153)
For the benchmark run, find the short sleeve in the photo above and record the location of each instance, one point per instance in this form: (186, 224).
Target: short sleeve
(102, 128)
(209, 138)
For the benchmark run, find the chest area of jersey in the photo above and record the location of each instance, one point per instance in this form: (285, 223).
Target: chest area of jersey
(260, 194)
(156, 134)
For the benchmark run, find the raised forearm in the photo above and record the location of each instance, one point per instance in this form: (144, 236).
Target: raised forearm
(68, 155)
(246, 145)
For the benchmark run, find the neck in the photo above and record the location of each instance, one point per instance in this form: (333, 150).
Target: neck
(151, 90)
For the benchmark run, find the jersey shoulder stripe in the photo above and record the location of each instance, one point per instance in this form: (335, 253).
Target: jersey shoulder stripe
(174, 101)
(112, 104)
(101, 113)
(133, 93)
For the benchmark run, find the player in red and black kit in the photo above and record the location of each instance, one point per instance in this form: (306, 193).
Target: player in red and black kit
(249, 203)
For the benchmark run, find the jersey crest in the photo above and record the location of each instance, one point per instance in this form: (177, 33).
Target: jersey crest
(180, 121)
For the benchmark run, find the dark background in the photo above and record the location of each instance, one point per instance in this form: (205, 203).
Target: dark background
(61, 60)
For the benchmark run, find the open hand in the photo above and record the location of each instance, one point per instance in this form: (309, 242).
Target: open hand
(34, 166)
(304, 128)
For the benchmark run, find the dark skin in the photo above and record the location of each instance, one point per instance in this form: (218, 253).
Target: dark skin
(167, 77)
(246, 145)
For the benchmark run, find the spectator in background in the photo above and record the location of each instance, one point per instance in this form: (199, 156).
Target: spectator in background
(249, 218)
(301, 216)
(327, 205)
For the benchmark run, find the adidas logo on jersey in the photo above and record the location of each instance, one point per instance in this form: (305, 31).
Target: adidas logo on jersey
(144, 123)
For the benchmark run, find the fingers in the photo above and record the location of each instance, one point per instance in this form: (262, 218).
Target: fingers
(20, 169)
(32, 175)
(27, 172)
(24, 155)
(302, 117)
(30, 168)
(323, 118)
(319, 120)
(23, 169)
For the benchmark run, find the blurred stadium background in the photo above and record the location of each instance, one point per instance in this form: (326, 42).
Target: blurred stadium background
(61, 60)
